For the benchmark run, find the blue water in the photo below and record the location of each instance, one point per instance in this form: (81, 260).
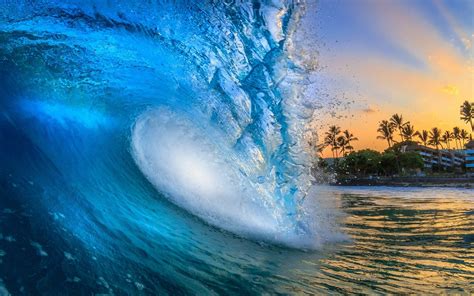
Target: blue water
(204, 100)
(161, 148)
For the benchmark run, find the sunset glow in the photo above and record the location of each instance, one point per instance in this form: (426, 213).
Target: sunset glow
(413, 58)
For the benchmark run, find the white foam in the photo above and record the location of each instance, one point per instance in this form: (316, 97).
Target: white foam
(196, 172)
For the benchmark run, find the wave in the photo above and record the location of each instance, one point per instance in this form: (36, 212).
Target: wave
(213, 91)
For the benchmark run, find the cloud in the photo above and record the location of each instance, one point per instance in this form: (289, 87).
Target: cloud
(467, 43)
(451, 90)
(370, 109)
(453, 22)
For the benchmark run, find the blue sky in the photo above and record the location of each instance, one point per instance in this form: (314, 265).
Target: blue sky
(395, 56)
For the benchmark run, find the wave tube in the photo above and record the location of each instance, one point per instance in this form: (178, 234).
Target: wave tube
(206, 97)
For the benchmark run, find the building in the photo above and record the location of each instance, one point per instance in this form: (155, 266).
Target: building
(440, 158)
(469, 152)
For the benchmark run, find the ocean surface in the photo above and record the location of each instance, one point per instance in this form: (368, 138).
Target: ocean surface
(164, 147)
(394, 241)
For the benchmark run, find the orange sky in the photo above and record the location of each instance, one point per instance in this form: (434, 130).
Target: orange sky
(403, 60)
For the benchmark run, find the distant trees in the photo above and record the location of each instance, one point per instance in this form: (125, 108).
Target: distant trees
(338, 142)
(411, 161)
(457, 136)
(435, 137)
(397, 122)
(467, 113)
(386, 128)
(389, 164)
(345, 141)
(460, 136)
(464, 136)
(394, 159)
(423, 136)
(331, 139)
(363, 162)
(446, 138)
(386, 132)
(408, 131)
(370, 162)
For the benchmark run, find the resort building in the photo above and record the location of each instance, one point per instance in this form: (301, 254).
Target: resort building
(470, 156)
(441, 158)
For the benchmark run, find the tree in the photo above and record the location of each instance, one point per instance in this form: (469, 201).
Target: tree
(386, 132)
(467, 113)
(408, 131)
(363, 162)
(464, 136)
(342, 144)
(331, 139)
(423, 136)
(435, 138)
(411, 161)
(457, 136)
(446, 138)
(397, 122)
(389, 163)
(319, 150)
(348, 139)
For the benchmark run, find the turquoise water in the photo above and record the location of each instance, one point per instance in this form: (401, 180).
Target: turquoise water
(203, 99)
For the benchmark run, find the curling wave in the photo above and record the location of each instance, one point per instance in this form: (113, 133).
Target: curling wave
(213, 92)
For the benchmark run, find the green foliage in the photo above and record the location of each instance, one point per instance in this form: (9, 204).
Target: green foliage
(411, 161)
(389, 163)
(370, 162)
(322, 163)
(363, 162)
(467, 113)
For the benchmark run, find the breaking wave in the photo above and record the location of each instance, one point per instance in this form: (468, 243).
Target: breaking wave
(212, 91)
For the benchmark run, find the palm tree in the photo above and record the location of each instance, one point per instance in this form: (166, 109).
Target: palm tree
(457, 136)
(446, 138)
(397, 122)
(319, 150)
(331, 139)
(345, 142)
(408, 131)
(386, 131)
(435, 138)
(342, 144)
(464, 136)
(467, 113)
(423, 136)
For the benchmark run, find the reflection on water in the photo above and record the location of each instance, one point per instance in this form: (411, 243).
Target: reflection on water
(398, 241)
(404, 240)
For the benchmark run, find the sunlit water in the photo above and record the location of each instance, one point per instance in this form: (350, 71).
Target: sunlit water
(397, 241)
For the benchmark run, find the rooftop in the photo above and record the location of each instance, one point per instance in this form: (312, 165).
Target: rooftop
(470, 145)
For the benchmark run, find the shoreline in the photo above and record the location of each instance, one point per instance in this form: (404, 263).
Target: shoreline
(461, 182)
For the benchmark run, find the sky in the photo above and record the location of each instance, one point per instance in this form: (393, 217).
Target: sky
(381, 57)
